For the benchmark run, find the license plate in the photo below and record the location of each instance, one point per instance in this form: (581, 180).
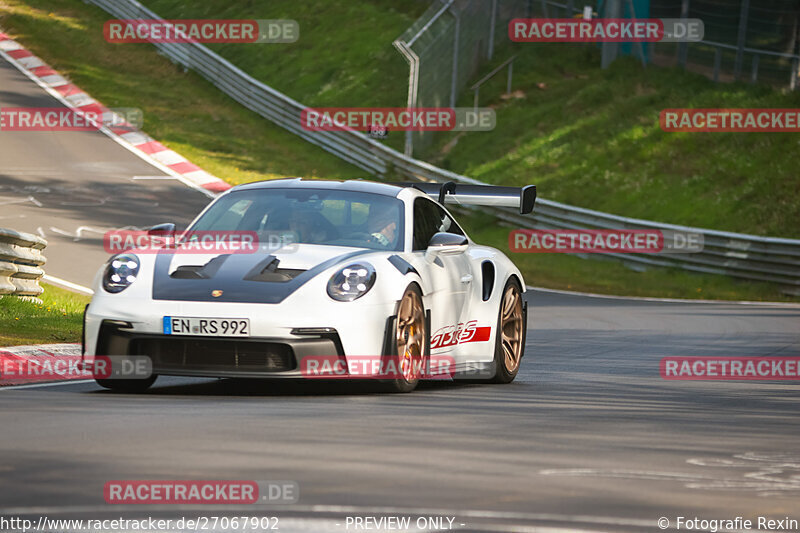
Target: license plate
(208, 327)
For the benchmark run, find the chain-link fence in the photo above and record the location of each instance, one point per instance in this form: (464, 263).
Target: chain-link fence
(754, 40)
(445, 46)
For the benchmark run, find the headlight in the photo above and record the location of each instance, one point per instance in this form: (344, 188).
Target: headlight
(120, 272)
(351, 282)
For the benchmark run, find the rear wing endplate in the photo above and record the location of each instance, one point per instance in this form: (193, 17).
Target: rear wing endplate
(490, 195)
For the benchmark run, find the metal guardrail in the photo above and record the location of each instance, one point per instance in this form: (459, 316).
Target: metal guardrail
(733, 254)
(20, 263)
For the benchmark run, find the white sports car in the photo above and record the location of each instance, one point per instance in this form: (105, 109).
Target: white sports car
(361, 270)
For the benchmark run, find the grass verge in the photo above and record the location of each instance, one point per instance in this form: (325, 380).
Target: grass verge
(57, 319)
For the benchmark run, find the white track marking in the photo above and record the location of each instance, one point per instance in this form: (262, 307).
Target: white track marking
(58, 282)
(78, 234)
(31, 199)
(766, 474)
(40, 385)
(667, 300)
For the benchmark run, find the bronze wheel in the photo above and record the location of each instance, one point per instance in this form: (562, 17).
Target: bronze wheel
(410, 340)
(410, 336)
(510, 334)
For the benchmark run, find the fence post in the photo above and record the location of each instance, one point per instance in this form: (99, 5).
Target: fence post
(609, 51)
(717, 62)
(737, 68)
(793, 80)
(492, 24)
(683, 47)
(456, 40)
(413, 88)
(510, 71)
(754, 73)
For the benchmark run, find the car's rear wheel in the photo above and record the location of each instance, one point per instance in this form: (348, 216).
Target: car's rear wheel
(410, 341)
(127, 385)
(509, 344)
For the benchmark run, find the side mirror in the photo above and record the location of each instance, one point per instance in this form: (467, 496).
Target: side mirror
(444, 243)
(167, 228)
(163, 235)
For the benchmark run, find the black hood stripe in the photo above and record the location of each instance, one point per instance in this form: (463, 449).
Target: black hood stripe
(230, 279)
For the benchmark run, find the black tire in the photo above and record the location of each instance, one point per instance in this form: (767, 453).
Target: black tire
(508, 354)
(127, 385)
(417, 351)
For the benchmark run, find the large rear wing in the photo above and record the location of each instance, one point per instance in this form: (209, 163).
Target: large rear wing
(467, 194)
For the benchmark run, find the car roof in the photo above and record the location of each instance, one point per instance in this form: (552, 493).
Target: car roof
(340, 185)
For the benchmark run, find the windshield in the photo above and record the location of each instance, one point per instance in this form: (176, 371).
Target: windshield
(310, 216)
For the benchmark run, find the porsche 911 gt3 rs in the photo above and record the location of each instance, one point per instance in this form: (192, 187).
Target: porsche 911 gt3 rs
(342, 270)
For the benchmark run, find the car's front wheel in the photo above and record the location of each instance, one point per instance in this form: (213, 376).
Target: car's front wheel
(510, 338)
(409, 339)
(127, 385)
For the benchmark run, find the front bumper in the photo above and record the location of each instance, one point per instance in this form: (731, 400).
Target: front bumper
(179, 355)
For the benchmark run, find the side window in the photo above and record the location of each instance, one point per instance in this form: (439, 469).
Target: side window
(427, 221)
(446, 223)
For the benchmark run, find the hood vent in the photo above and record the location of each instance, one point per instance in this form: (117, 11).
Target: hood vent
(268, 271)
(206, 271)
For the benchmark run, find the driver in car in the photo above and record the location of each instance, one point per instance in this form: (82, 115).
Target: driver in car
(382, 226)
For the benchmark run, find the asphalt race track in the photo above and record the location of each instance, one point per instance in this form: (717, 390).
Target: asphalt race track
(71, 187)
(589, 436)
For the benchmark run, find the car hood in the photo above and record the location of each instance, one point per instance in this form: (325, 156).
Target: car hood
(267, 276)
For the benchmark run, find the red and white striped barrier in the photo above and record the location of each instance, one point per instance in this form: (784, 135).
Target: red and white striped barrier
(40, 363)
(75, 98)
